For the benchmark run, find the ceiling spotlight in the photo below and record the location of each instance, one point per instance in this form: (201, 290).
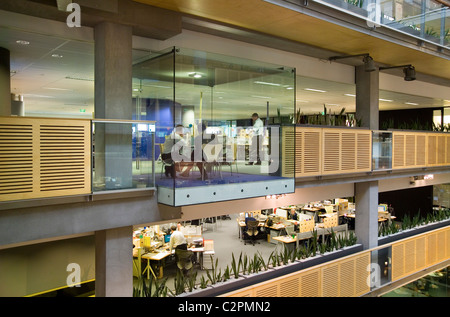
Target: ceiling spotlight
(408, 70)
(369, 64)
(195, 75)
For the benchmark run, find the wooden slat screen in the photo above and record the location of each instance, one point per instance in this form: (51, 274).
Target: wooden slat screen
(346, 151)
(349, 276)
(417, 253)
(42, 157)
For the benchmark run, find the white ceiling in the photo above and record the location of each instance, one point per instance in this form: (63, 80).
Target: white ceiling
(61, 85)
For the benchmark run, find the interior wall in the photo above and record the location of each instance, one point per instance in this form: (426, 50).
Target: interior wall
(409, 201)
(39, 267)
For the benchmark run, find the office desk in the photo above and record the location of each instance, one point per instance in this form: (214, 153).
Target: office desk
(156, 256)
(242, 225)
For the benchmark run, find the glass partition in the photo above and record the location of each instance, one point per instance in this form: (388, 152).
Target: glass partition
(381, 150)
(123, 155)
(428, 20)
(219, 122)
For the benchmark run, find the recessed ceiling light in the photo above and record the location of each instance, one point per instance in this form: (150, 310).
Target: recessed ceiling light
(266, 83)
(387, 100)
(195, 75)
(315, 90)
(411, 103)
(22, 42)
(57, 56)
(350, 95)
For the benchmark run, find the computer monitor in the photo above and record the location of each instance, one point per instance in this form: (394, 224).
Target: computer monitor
(290, 230)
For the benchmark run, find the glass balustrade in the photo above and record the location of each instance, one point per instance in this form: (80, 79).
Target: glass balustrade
(427, 20)
(122, 155)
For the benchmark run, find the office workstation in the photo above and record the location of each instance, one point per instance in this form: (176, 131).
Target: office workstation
(246, 232)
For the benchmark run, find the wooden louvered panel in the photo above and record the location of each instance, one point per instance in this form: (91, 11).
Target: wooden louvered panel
(331, 152)
(398, 151)
(330, 281)
(288, 154)
(267, 291)
(361, 274)
(290, 287)
(410, 261)
(421, 158)
(440, 155)
(447, 243)
(364, 151)
(347, 277)
(410, 150)
(420, 257)
(431, 149)
(440, 245)
(62, 157)
(348, 148)
(42, 157)
(447, 150)
(310, 283)
(16, 159)
(398, 261)
(431, 249)
(311, 155)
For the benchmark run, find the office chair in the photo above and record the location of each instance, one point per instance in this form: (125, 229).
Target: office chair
(184, 260)
(251, 231)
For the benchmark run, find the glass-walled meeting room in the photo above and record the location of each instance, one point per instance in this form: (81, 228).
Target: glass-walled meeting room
(219, 121)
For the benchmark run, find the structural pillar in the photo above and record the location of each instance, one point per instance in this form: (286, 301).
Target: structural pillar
(366, 220)
(114, 262)
(113, 100)
(113, 152)
(367, 97)
(366, 193)
(5, 82)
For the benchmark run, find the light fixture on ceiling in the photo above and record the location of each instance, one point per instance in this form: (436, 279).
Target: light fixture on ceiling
(409, 71)
(22, 42)
(314, 90)
(350, 95)
(57, 55)
(386, 100)
(411, 103)
(369, 64)
(195, 75)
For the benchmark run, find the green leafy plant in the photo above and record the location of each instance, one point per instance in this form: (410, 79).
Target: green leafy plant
(235, 266)
(203, 282)
(214, 275)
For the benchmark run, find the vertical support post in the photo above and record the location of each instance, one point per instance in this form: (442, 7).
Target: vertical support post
(366, 221)
(367, 97)
(114, 262)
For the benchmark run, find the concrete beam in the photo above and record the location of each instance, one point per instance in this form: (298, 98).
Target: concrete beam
(145, 20)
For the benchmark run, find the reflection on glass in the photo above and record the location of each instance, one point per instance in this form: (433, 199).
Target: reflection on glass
(381, 267)
(218, 118)
(123, 156)
(428, 20)
(381, 150)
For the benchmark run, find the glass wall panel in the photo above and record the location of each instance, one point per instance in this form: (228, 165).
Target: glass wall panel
(381, 150)
(219, 121)
(123, 155)
(424, 19)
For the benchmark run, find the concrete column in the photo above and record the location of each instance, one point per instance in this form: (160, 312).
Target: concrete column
(114, 262)
(366, 221)
(5, 82)
(113, 100)
(367, 97)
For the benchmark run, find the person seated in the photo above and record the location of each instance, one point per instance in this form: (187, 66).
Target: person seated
(172, 154)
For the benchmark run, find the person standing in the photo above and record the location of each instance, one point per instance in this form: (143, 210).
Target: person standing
(257, 138)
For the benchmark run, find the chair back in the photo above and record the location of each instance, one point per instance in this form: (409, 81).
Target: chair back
(212, 152)
(252, 224)
(184, 258)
